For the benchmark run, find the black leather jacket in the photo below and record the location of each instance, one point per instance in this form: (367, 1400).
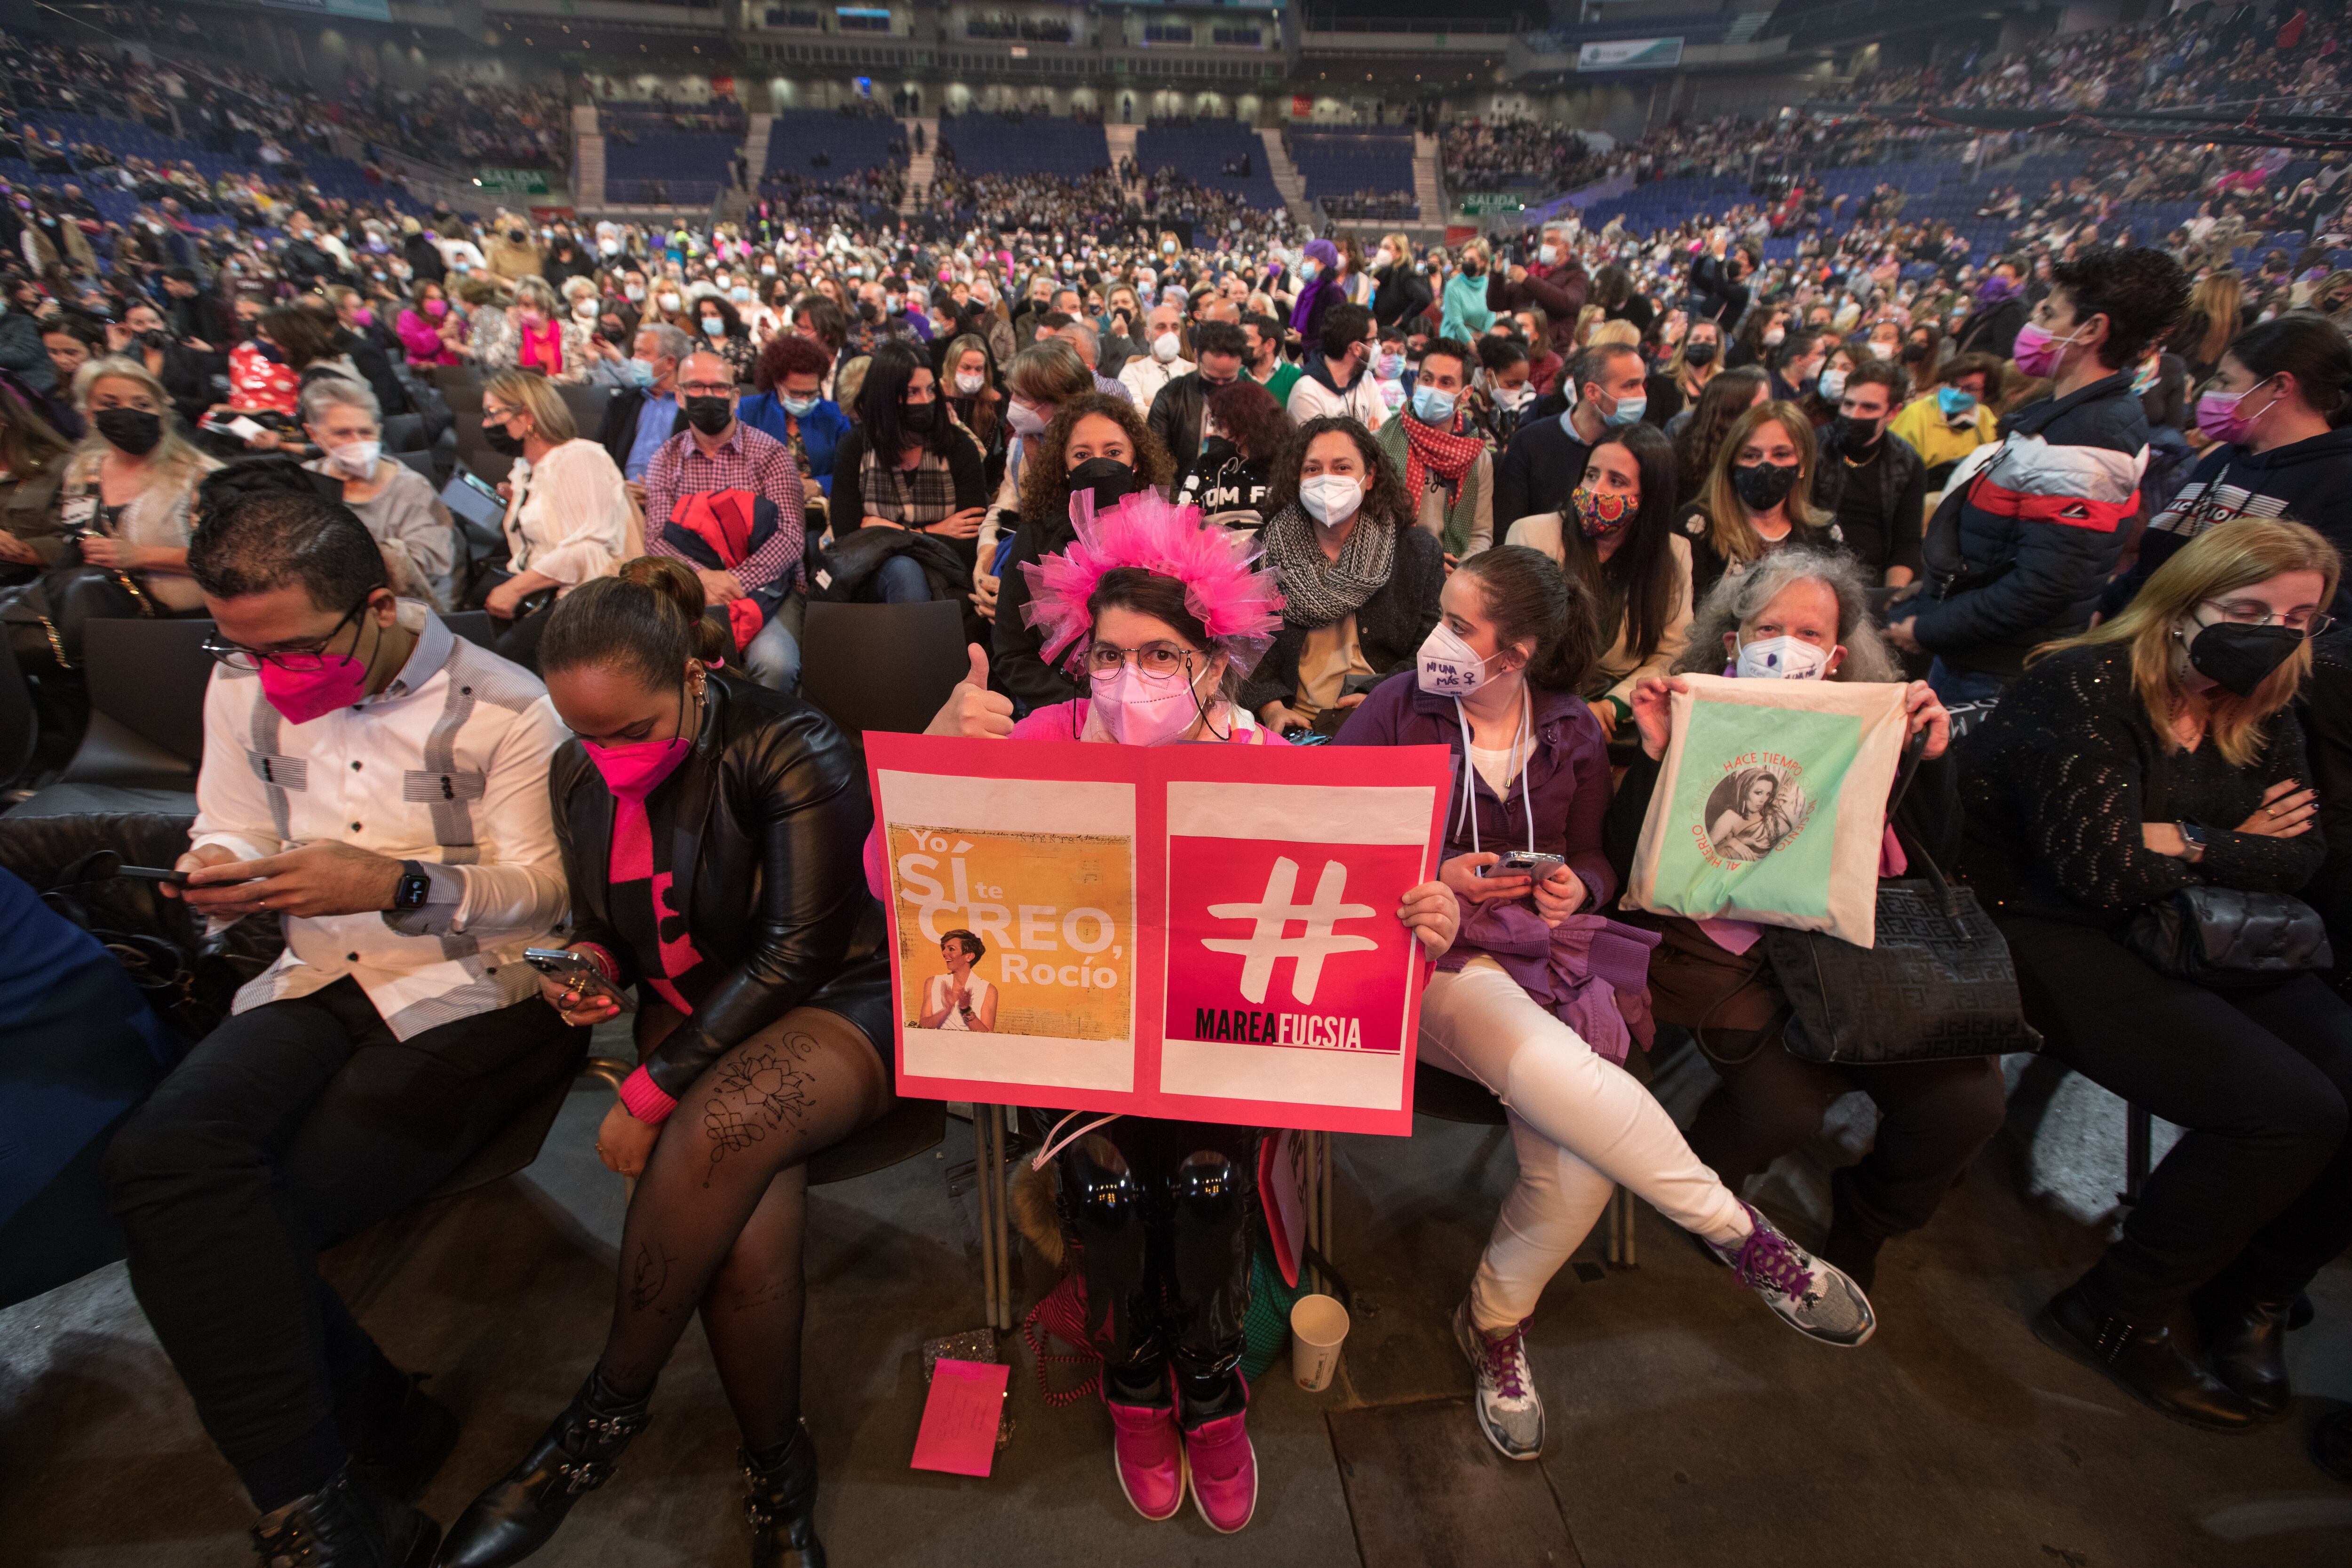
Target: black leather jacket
(768, 814)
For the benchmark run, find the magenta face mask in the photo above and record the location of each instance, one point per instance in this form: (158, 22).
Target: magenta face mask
(634, 769)
(302, 695)
(2223, 414)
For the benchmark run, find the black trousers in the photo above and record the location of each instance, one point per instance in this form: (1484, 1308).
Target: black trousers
(2257, 1195)
(289, 1128)
(1933, 1117)
(1161, 1214)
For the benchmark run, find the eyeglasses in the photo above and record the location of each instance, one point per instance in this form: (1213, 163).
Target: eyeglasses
(1152, 658)
(2254, 613)
(299, 661)
(707, 388)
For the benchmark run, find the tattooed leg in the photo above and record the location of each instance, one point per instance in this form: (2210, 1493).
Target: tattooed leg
(727, 1171)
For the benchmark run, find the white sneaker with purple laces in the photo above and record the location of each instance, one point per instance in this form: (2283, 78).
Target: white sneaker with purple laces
(1509, 1411)
(1814, 1297)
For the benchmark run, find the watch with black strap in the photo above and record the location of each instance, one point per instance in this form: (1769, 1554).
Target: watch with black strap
(414, 887)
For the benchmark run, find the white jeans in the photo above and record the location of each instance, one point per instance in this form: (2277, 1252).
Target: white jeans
(1581, 1125)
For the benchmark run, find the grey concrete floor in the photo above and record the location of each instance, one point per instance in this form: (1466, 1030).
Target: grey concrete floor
(1687, 1425)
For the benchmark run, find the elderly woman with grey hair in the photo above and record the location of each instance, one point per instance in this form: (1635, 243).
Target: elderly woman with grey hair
(397, 504)
(1800, 614)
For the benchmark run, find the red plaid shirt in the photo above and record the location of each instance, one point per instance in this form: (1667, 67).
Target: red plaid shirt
(748, 459)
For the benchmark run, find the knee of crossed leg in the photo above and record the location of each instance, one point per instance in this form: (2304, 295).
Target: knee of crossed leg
(157, 1148)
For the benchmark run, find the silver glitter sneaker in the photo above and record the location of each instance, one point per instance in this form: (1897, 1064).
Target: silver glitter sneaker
(1509, 1411)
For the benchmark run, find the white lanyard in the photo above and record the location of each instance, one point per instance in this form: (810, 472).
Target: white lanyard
(1470, 770)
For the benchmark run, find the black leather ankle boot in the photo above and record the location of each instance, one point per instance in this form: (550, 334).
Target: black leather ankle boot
(347, 1524)
(2141, 1361)
(780, 1500)
(2245, 1344)
(520, 1514)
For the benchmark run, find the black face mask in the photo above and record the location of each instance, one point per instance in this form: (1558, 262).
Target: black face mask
(1855, 434)
(1109, 478)
(501, 440)
(1698, 353)
(129, 430)
(514, 237)
(1763, 485)
(918, 419)
(1913, 352)
(711, 415)
(2241, 658)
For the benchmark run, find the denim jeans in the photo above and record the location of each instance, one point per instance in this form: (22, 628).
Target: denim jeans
(1963, 684)
(901, 581)
(774, 658)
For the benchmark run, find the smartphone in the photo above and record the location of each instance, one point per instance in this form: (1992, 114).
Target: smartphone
(1523, 863)
(565, 964)
(153, 874)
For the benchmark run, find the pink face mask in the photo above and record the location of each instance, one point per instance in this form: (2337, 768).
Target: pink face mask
(1135, 709)
(2036, 351)
(302, 695)
(2223, 417)
(437, 307)
(634, 769)
(638, 768)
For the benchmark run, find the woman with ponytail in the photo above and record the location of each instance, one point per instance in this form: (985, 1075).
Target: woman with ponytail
(710, 829)
(2279, 412)
(1527, 999)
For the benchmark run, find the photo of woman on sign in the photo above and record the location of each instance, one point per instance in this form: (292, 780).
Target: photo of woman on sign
(960, 999)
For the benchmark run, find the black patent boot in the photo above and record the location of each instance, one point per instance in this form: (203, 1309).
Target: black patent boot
(2245, 1344)
(2141, 1361)
(520, 1514)
(780, 1500)
(347, 1524)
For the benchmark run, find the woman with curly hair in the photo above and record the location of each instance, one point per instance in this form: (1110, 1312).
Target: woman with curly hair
(789, 403)
(1098, 447)
(1359, 577)
(1242, 429)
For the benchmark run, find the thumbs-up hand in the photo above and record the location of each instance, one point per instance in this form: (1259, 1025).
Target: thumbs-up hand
(971, 709)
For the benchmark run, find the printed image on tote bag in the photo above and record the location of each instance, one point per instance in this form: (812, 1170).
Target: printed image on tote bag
(1771, 805)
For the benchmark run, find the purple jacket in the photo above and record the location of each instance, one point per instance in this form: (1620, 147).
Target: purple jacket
(1567, 775)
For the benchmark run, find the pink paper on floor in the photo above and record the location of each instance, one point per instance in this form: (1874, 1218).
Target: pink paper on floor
(959, 1419)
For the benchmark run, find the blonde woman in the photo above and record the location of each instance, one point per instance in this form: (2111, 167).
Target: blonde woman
(568, 514)
(1466, 316)
(130, 488)
(2157, 753)
(1756, 495)
(1697, 359)
(540, 336)
(2216, 308)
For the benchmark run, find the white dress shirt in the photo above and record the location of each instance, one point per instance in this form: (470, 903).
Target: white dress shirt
(447, 766)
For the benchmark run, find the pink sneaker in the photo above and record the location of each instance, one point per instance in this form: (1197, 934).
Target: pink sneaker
(1149, 1458)
(1225, 1472)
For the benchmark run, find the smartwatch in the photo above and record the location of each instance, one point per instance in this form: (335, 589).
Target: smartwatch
(2192, 835)
(414, 887)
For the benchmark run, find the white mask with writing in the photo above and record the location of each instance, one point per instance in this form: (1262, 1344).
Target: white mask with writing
(1787, 658)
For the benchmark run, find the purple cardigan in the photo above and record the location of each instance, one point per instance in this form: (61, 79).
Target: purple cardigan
(1568, 774)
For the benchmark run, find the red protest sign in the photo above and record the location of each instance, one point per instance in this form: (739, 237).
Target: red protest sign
(1206, 933)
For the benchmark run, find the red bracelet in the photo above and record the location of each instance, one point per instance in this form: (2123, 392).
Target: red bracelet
(645, 1100)
(606, 965)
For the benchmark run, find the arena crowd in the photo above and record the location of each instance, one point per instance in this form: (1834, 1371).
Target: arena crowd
(2083, 499)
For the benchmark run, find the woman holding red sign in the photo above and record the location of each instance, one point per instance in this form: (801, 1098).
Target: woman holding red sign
(1164, 617)
(1540, 1000)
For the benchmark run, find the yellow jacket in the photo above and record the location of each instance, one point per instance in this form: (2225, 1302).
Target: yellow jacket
(1922, 423)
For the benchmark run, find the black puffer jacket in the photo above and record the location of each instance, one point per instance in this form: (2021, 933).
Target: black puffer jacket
(768, 815)
(2039, 530)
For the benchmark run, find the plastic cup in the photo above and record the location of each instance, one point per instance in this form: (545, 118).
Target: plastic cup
(1317, 1324)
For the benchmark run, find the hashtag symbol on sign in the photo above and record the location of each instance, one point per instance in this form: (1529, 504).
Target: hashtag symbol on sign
(1272, 916)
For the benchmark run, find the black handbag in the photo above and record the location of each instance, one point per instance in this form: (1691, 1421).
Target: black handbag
(1937, 983)
(45, 617)
(2225, 936)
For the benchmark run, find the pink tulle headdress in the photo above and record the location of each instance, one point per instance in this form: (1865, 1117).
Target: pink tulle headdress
(1240, 605)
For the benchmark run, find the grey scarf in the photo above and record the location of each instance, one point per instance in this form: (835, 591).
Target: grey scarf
(1316, 589)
